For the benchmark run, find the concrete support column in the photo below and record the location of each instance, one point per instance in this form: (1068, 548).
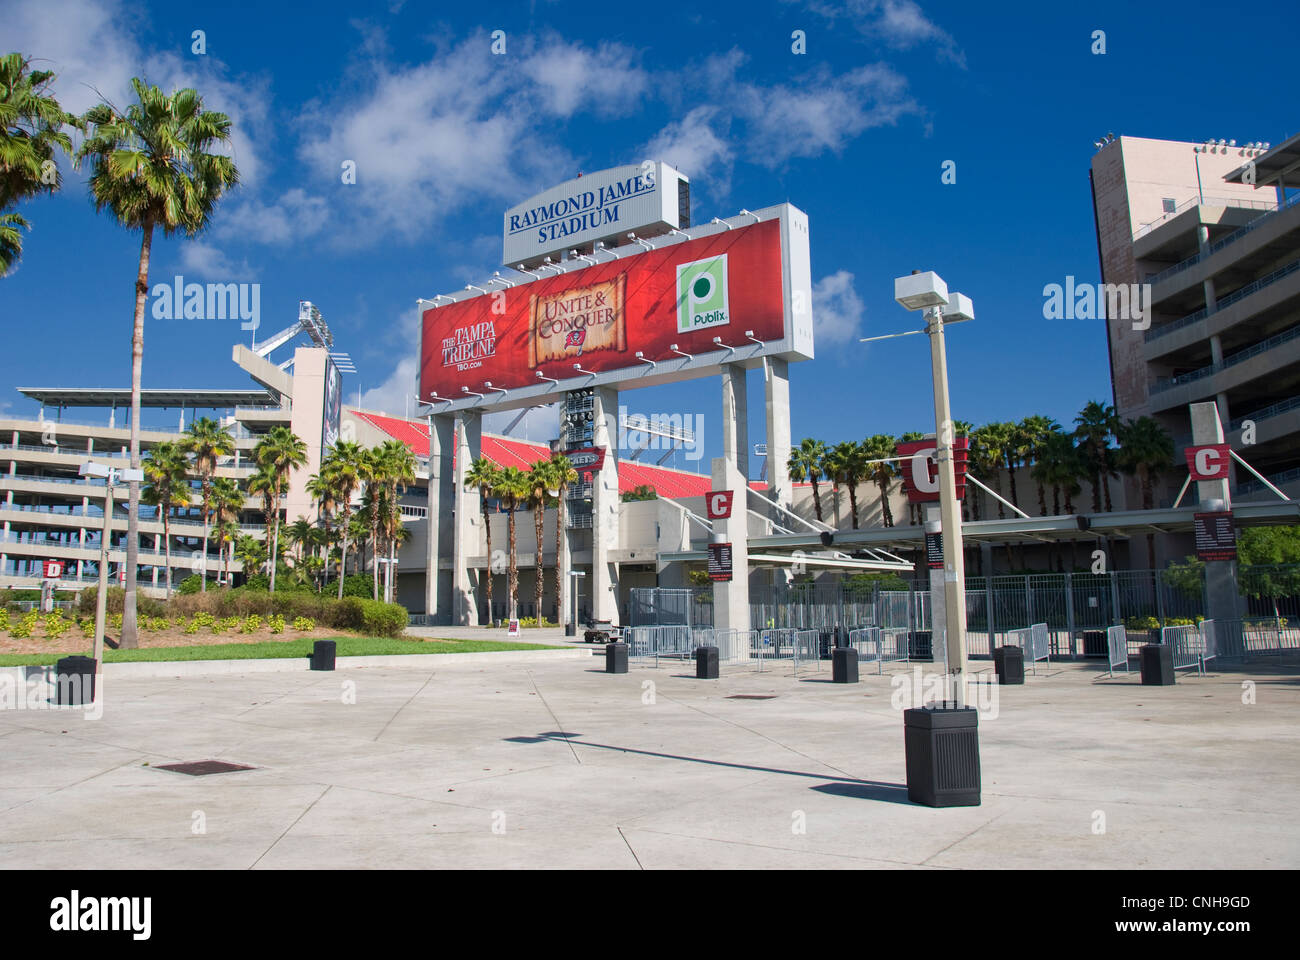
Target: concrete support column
(731, 599)
(776, 395)
(735, 418)
(441, 497)
(1222, 597)
(467, 537)
(605, 508)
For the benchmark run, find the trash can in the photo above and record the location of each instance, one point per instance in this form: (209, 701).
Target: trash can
(919, 645)
(570, 630)
(74, 681)
(1009, 664)
(616, 657)
(943, 755)
(844, 665)
(706, 663)
(322, 655)
(1157, 664)
(1094, 643)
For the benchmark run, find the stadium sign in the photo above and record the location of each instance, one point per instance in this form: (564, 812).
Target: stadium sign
(640, 318)
(648, 198)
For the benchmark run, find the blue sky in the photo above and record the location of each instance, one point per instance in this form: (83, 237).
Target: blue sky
(446, 136)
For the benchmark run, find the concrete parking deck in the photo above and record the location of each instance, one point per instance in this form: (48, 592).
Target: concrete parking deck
(555, 764)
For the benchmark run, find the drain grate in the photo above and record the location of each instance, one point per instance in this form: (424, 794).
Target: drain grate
(201, 768)
(752, 696)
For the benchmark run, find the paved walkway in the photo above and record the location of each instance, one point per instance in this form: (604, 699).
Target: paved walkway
(556, 764)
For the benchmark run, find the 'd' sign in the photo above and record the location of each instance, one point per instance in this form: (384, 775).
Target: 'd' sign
(1209, 461)
(718, 504)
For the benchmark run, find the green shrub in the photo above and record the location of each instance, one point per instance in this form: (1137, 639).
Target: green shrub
(251, 624)
(190, 585)
(345, 614)
(379, 619)
(304, 624)
(276, 623)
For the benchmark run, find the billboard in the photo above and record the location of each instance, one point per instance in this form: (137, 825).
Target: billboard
(646, 198)
(728, 283)
(333, 406)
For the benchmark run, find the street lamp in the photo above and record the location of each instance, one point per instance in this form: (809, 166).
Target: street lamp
(111, 477)
(572, 628)
(942, 743)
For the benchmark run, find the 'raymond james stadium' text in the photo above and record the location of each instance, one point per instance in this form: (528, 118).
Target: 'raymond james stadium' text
(585, 211)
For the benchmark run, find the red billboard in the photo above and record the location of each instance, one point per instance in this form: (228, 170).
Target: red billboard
(601, 316)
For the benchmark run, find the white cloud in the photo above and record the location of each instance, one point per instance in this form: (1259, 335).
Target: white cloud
(539, 426)
(294, 216)
(604, 81)
(206, 261)
(900, 24)
(695, 146)
(837, 309)
(394, 395)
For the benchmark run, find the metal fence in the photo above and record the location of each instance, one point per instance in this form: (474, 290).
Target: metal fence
(1116, 649)
(1192, 647)
(1075, 609)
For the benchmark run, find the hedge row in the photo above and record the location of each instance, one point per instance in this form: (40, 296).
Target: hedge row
(373, 617)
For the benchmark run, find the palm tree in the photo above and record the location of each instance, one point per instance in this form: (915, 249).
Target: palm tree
(397, 471)
(1097, 423)
(540, 482)
(280, 452)
(806, 463)
(227, 503)
(1057, 464)
(562, 475)
(848, 464)
(207, 442)
(344, 466)
(262, 484)
(512, 489)
(484, 474)
(151, 168)
(990, 444)
(299, 534)
(1035, 430)
(167, 488)
(1147, 450)
(321, 491)
(31, 126)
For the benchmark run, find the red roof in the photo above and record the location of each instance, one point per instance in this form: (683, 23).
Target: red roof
(509, 452)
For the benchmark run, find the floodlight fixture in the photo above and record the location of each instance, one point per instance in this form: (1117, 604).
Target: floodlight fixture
(749, 335)
(920, 291)
(644, 359)
(958, 308)
(672, 347)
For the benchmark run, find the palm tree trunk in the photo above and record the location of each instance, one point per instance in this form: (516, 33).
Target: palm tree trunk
(1042, 500)
(539, 520)
(513, 584)
(167, 551)
(887, 515)
(559, 548)
(487, 530)
(853, 501)
(374, 550)
(275, 539)
(129, 639)
(343, 558)
(203, 584)
(817, 501)
(1011, 475)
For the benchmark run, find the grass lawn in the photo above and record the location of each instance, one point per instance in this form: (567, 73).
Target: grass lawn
(282, 649)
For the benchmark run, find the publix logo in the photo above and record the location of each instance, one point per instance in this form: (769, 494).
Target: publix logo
(702, 294)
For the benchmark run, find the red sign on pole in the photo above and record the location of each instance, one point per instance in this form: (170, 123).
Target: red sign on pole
(718, 504)
(1209, 461)
(921, 472)
(53, 569)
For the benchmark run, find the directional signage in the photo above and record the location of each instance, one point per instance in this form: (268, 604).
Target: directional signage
(921, 472)
(53, 569)
(1215, 537)
(934, 550)
(720, 562)
(1209, 461)
(718, 504)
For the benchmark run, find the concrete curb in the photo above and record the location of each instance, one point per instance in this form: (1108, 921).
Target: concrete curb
(192, 668)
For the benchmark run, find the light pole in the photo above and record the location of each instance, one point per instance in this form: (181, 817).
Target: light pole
(927, 292)
(573, 591)
(111, 477)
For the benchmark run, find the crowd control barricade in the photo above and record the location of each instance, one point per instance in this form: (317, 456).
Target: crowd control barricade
(1188, 643)
(1034, 641)
(1116, 649)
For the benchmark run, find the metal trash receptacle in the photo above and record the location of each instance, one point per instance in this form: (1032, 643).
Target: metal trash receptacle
(943, 755)
(1094, 644)
(706, 663)
(322, 654)
(920, 645)
(1157, 661)
(844, 665)
(1009, 664)
(616, 657)
(74, 681)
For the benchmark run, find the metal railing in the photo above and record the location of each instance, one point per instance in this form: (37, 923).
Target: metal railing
(876, 646)
(1034, 641)
(1244, 638)
(1286, 336)
(1222, 303)
(1222, 242)
(1272, 410)
(1186, 205)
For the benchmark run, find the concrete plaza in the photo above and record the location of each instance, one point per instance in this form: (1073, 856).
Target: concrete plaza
(541, 760)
